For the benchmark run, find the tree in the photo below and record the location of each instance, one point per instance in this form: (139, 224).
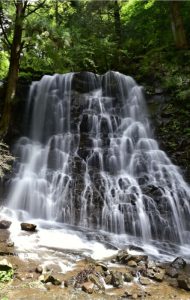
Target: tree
(23, 9)
(177, 25)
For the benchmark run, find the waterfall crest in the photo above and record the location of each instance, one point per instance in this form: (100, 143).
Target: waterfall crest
(89, 158)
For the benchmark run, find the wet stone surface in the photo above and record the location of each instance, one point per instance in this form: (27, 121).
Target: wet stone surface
(110, 279)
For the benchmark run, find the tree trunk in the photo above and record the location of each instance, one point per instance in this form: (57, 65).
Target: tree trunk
(16, 48)
(177, 26)
(118, 32)
(117, 21)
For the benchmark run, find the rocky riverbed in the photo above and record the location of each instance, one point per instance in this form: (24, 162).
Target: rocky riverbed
(121, 276)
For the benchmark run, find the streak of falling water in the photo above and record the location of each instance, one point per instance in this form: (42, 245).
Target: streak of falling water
(90, 159)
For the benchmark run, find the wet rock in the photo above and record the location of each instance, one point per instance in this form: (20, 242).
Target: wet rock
(144, 280)
(10, 244)
(4, 224)
(151, 264)
(172, 272)
(132, 263)
(45, 278)
(157, 274)
(184, 282)
(128, 277)
(178, 263)
(88, 287)
(108, 279)
(136, 248)
(97, 280)
(28, 226)
(102, 265)
(139, 258)
(39, 270)
(117, 279)
(83, 275)
(122, 256)
(70, 282)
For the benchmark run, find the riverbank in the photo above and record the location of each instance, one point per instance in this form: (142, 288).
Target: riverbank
(121, 276)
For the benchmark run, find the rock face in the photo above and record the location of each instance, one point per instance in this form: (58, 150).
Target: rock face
(28, 226)
(97, 128)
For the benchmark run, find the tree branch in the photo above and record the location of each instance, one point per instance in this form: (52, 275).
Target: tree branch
(35, 9)
(7, 42)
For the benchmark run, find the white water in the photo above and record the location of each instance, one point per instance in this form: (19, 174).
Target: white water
(90, 159)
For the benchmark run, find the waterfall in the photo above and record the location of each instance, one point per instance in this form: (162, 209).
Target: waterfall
(89, 158)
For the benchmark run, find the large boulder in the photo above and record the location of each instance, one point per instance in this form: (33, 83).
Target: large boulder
(4, 224)
(178, 263)
(28, 226)
(184, 282)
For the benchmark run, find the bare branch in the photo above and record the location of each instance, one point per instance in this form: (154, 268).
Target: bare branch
(35, 9)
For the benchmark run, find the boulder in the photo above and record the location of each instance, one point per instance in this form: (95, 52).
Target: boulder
(132, 263)
(28, 226)
(184, 282)
(97, 280)
(102, 265)
(39, 270)
(156, 274)
(172, 272)
(88, 287)
(178, 263)
(45, 278)
(117, 279)
(144, 280)
(151, 264)
(4, 224)
(128, 277)
(108, 279)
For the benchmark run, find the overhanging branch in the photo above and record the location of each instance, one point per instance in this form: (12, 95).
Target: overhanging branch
(35, 9)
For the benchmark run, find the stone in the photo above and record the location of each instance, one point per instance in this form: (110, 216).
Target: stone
(178, 263)
(144, 280)
(172, 272)
(4, 224)
(10, 244)
(156, 274)
(122, 256)
(88, 287)
(184, 282)
(5, 264)
(28, 226)
(136, 248)
(39, 270)
(102, 265)
(108, 279)
(117, 279)
(128, 277)
(45, 278)
(97, 281)
(132, 263)
(151, 264)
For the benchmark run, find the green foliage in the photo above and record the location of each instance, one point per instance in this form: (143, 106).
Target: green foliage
(4, 64)
(6, 275)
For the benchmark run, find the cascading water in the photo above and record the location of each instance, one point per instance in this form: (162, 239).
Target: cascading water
(89, 159)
